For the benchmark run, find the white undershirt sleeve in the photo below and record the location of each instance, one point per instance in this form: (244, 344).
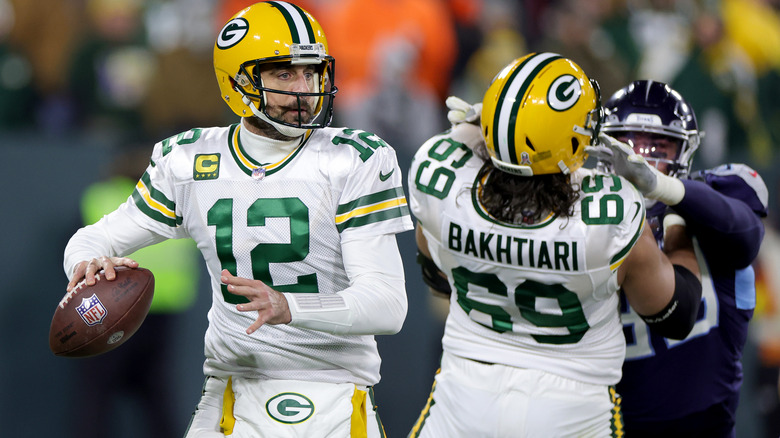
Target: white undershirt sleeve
(375, 302)
(116, 234)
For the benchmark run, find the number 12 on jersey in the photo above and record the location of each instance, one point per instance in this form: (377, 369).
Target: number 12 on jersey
(220, 215)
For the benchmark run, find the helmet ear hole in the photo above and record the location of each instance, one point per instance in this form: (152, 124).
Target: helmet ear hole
(574, 145)
(529, 144)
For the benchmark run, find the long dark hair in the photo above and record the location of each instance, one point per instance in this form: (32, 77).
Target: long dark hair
(518, 199)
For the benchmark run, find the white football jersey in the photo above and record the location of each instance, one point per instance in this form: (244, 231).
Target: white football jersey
(282, 223)
(540, 296)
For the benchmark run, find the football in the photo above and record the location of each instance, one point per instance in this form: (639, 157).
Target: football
(92, 320)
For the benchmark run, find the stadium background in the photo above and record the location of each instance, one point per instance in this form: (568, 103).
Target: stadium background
(83, 82)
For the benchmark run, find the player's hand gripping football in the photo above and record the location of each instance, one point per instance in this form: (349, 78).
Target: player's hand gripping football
(88, 268)
(625, 162)
(271, 306)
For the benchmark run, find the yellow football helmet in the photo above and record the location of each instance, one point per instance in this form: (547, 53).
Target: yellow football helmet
(538, 115)
(267, 32)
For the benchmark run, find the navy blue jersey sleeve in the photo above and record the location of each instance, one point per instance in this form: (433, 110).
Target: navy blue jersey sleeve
(728, 229)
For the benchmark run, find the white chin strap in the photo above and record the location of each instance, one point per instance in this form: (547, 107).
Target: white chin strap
(288, 131)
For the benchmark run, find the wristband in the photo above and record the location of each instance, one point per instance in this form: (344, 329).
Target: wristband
(672, 219)
(668, 190)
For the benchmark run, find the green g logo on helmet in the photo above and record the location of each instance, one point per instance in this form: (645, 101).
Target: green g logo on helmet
(539, 114)
(290, 408)
(564, 93)
(233, 32)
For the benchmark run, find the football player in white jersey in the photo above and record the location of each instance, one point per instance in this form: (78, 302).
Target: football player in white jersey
(296, 221)
(534, 249)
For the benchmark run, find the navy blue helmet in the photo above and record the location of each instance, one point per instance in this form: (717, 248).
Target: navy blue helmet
(655, 108)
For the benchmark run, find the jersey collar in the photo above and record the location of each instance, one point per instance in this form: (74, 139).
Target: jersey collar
(252, 167)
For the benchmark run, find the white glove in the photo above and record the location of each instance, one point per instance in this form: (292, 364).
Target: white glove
(461, 111)
(632, 166)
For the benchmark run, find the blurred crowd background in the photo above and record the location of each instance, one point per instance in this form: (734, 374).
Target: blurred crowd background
(88, 86)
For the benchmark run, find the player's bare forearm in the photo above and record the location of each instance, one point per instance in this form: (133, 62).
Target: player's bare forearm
(646, 276)
(678, 247)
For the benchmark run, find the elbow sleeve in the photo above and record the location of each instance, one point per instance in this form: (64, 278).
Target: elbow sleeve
(676, 320)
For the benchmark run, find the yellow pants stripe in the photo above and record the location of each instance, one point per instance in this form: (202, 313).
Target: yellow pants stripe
(359, 420)
(228, 421)
(617, 414)
(424, 414)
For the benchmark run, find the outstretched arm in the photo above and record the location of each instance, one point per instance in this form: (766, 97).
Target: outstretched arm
(729, 230)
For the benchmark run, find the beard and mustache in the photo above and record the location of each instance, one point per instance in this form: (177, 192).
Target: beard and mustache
(302, 113)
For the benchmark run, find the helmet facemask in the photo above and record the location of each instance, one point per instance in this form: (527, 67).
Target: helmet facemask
(665, 153)
(678, 165)
(592, 125)
(318, 103)
(654, 109)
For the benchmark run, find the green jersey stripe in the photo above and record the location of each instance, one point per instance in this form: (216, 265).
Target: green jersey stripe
(235, 146)
(240, 147)
(373, 198)
(379, 216)
(630, 245)
(156, 194)
(231, 148)
(480, 209)
(154, 214)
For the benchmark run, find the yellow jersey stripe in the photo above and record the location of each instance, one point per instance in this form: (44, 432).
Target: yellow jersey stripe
(152, 203)
(391, 203)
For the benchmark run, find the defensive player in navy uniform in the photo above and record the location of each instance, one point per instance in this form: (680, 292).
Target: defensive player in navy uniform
(686, 387)
(296, 221)
(534, 249)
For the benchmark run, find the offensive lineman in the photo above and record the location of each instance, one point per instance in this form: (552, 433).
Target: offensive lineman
(296, 221)
(534, 249)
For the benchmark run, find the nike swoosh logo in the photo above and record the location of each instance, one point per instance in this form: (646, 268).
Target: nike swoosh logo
(384, 177)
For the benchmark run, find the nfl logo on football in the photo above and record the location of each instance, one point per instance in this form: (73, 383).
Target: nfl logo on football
(91, 310)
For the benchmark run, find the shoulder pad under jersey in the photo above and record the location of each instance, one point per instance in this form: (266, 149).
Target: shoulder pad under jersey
(738, 181)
